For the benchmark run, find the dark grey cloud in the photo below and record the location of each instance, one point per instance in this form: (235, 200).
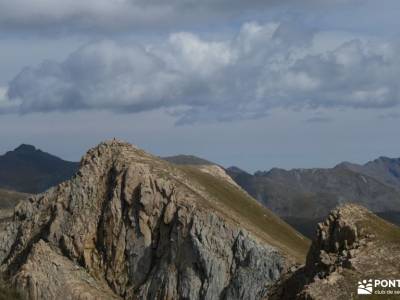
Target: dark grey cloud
(262, 67)
(108, 16)
(101, 75)
(66, 16)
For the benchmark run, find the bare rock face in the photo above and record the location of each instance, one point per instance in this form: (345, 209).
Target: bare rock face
(337, 239)
(130, 226)
(219, 172)
(352, 244)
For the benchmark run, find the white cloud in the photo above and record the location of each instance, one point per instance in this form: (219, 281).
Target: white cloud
(188, 53)
(6, 106)
(264, 66)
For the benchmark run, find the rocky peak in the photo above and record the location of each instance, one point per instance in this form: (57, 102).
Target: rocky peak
(108, 151)
(131, 226)
(234, 169)
(25, 148)
(337, 239)
(352, 244)
(22, 151)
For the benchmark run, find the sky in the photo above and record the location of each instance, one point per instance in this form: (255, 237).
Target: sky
(255, 84)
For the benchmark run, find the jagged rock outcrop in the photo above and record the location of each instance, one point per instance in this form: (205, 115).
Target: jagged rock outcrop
(131, 226)
(352, 244)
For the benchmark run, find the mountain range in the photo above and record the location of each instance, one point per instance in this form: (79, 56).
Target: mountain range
(302, 197)
(384, 169)
(129, 225)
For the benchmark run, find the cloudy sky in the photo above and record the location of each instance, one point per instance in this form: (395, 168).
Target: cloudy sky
(257, 83)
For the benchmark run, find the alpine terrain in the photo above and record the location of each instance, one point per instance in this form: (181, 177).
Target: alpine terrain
(129, 225)
(304, 197)
(351, 245)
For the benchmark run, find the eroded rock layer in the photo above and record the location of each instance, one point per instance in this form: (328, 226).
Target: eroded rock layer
(130, 226)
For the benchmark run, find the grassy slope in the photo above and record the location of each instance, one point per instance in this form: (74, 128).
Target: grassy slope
(384, 231)
(8, 199)
(187, 160)
(248, 211)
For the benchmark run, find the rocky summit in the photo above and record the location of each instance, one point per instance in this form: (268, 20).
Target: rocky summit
(352, 244)
(129, 225)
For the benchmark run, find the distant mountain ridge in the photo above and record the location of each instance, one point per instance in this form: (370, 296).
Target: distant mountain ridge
(303, 197)
(383, 168)
(30, 170)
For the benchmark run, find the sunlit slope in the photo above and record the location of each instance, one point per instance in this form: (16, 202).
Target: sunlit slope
(238, 206)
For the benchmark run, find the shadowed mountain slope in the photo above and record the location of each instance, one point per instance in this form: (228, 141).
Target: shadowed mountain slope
(29, 170)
